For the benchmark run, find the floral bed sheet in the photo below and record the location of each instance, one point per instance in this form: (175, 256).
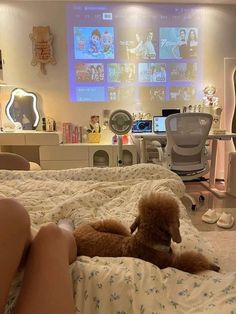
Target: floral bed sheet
(120, 285)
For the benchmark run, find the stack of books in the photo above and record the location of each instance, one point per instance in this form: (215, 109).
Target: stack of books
(71, 133)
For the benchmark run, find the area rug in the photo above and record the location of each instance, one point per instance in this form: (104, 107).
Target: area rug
(224, 244)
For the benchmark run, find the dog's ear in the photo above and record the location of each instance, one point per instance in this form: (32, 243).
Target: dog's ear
(175, 234)
(135, 224)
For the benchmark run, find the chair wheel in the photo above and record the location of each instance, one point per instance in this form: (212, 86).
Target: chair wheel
(201, 198)
(193, 206)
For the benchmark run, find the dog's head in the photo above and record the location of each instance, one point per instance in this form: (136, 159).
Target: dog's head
(158, 219)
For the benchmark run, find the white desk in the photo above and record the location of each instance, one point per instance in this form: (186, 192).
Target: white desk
(142, 137)
(46, 149)
(27, 143)
(30, 138)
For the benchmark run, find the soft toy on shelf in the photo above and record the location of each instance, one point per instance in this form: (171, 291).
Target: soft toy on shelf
(211, 105)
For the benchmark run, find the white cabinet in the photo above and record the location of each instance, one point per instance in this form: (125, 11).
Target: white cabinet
(30, 138)
(45, 148)
(27, 143)
(66, 156)
(101, 156)
(129, 154)
(107, 155)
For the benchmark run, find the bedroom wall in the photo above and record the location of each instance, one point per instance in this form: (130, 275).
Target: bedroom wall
(17, 19)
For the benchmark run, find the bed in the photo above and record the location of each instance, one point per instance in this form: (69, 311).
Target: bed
(120, 285)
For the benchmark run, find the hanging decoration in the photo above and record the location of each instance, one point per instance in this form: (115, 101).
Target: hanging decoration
(42, 47)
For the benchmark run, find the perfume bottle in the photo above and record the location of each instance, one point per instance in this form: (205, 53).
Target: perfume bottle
(44, 124)
(114, 139)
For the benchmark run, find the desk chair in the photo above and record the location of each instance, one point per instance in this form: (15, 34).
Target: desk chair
(155, 152)
(11, 161)
(186, 153)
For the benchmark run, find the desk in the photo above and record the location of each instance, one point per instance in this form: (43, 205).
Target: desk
(142, 137)
(30, 138)
(27, 143)
(46, 148)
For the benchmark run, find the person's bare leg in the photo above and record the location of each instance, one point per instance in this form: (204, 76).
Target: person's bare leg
(47, 285)
(14, 239)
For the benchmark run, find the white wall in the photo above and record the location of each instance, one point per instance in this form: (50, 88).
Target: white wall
(18, 17)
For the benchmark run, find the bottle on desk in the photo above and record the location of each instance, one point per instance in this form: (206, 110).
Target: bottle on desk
(44, 125)
(114, 139)
(125, 139)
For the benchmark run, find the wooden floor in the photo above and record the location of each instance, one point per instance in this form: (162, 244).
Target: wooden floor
(227, 204)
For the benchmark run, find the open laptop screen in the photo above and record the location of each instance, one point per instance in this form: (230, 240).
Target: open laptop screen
(159, 124)
(167, 112)
(142, 126)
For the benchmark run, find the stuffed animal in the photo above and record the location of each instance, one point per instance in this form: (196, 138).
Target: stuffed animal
(42, 47)
(157, 224)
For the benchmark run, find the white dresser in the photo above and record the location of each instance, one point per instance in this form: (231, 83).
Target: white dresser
(46, 148)
(66, 156)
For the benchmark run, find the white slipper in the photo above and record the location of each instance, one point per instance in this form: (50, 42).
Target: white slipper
(225, 221)
(211, 216)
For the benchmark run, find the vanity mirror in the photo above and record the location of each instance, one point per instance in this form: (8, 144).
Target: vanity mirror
(22, 109)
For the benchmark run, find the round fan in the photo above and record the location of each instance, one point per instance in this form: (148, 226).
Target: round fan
(120, 122)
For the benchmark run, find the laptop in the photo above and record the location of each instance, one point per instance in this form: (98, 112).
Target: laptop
(142, 126)
(159, 124)
(167, 112)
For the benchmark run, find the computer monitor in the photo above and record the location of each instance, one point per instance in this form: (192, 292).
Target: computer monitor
(167, 112)
(159, 124)
(142, 126)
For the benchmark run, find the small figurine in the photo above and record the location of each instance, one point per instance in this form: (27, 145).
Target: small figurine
(209, 98)
(211, 105)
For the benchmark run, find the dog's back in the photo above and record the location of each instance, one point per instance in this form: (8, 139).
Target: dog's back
(104, 238)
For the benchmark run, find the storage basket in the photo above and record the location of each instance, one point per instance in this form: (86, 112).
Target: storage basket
(94, 137)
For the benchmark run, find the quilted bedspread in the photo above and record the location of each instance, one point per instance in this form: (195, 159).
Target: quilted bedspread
(120, 285)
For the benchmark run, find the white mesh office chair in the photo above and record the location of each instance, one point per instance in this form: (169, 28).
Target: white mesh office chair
(186, 153)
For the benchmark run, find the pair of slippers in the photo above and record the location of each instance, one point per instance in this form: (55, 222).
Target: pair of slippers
(222, 220)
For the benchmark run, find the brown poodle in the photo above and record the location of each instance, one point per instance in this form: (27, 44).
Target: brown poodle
(156, 224)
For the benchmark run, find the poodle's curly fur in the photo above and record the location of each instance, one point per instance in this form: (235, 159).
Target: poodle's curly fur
(156, 224)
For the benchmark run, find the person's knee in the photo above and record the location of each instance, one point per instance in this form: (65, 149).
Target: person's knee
(50, 232)
(54, 238)
(13, 215)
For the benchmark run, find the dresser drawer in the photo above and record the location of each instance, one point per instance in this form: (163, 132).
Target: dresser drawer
(63, 152)
(62, 164)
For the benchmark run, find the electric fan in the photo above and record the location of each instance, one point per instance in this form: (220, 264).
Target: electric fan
(120, 123)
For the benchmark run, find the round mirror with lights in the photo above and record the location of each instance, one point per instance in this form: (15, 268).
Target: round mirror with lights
(22, 109)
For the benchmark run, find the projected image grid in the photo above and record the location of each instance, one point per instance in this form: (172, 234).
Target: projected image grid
(110, 61)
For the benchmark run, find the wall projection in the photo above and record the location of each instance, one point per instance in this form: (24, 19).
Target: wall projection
(134, 53)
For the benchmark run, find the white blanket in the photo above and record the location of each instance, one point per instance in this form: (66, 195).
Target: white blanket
(120, 285)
